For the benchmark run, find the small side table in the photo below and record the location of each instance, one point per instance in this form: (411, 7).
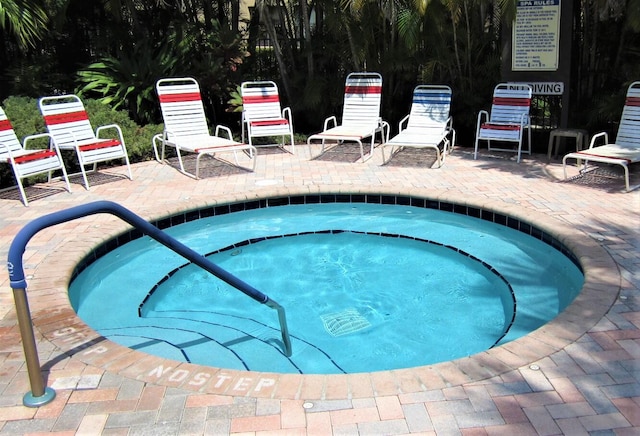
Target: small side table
(581, 136)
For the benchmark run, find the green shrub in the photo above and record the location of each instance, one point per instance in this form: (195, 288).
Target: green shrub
(26, 120)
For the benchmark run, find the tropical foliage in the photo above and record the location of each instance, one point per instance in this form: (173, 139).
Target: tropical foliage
(115, 50)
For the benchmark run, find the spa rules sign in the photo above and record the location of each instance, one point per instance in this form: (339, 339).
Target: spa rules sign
(536, 34)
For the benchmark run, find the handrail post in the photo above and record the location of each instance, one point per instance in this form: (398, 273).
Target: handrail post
(284, 330)
(40, 394)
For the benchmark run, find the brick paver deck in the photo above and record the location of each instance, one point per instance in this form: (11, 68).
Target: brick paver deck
(578, 375)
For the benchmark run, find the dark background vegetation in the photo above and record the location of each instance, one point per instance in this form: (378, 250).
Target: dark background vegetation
(113, 51)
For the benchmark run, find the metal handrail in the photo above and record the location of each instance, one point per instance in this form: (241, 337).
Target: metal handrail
(40, 395)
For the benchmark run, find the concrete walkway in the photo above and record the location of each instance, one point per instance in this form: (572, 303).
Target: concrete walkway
(578, 375)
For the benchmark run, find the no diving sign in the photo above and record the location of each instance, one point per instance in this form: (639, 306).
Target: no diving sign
(547, 88)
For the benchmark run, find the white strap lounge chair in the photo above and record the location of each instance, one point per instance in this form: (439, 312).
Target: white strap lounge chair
(26, 162)
(626, 149)
(262, 115)
(69, 125)
(186, 128)
(508, 120)
(428, 124)
(360, 116)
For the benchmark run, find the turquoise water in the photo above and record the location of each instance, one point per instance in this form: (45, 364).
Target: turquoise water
(357, 301)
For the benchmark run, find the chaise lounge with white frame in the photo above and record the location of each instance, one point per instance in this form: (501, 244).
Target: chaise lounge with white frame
(262, 114)
(360, 114)
(186, 128)
(428, 124)
(508, 119)
(625, 150)
(68, 123)
(28, 162)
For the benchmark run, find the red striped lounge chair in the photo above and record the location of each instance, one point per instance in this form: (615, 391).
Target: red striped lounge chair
(428, 124)
(360, 114)
(508, 120)
(69, 126)
(625, 150)
(186, 128)
(262, 115)
(25, 162)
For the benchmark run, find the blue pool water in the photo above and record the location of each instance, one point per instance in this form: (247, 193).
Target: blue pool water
(366, 287)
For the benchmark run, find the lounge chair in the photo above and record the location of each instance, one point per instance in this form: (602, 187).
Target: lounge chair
(262, 115)
(26, 162)
(69, 125)
(428, 125)
(508, 120)
(360, 114)
(626, 149)
(186, 128)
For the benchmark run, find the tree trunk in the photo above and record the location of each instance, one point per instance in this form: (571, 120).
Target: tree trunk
(277, 51)
(306, 34)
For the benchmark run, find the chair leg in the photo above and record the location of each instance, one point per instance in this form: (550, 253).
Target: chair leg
(23, 194)
(198, 157)
(182, 165)
(362, 149)
(626, 177)
(65, 177)
(384, 161)
(83, 170)
(475, 152)
(84, 177)
(126, 161)
(293, 144)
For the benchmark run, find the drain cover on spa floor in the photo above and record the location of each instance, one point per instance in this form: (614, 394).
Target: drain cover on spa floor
(345, 322)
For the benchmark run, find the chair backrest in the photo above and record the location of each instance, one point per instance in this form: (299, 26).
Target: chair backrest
(430, 106)
(629, 130)
(8, 140)
(181, 107)
(510, 102)
(260, 100)
(66, 119)
(362, 98)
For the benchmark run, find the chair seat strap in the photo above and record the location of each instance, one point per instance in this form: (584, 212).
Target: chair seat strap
(604, 156)
(274, 122)
(214, 148)
(506, 101)
(633, 101)
(500, 126)
(102, 144)
(34, 156)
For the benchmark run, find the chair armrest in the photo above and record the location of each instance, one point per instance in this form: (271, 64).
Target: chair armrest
(5, 148)
(449, 130)
(286, 113)
(404, 121)
(331, 118)
(385, 126)
(449, 124)
(482, 114)
(111, 126)
(52, 142)
(165, 135)
(599, 135)
(154, 142)
(227, 130)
